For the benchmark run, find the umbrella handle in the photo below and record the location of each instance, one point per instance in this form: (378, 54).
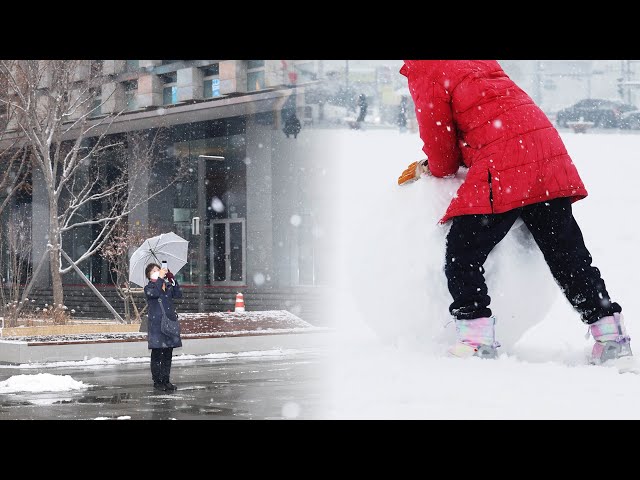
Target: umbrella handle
(154, 255)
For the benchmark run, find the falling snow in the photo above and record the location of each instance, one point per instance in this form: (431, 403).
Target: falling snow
(217, 205)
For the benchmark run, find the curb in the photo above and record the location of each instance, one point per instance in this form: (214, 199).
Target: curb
(21, 352)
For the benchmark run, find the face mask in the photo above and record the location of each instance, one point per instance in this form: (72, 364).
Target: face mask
(155, 275)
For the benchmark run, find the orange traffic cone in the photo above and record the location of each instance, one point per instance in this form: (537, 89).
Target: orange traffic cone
(239, 303)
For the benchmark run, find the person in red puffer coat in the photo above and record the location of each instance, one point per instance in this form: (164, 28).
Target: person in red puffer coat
(472, 115)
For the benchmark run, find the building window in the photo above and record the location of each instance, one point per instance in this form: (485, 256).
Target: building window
(130, 94)
(255, 75)
(96, 68)
(255, 81)
(167, 62)
(306, 72)
(170, 89)
(211, 80)
(95, 109)
(132, 66)
(211, 70)
(255, 64)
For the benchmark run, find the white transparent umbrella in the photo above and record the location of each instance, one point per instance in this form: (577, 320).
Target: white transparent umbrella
(167, 246)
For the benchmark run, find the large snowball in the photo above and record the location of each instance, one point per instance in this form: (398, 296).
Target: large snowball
(392, 250)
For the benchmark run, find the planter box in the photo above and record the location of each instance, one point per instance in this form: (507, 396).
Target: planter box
(69, 329)
(202, 334)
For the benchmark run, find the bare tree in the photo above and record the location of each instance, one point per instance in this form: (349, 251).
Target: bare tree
(15, 238)
(15, 268)
(55, 103)
(116, 251)
(14, 161)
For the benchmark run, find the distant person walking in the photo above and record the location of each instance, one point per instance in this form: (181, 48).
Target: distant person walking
(290, 122)
(402, 114)
(363, 105)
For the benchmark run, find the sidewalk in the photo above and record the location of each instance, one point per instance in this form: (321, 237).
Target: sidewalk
(201, 334)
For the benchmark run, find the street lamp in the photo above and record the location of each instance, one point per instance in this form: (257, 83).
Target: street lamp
(202, 212)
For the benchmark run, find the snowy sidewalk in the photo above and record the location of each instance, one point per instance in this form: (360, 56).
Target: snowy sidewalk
(202, 334)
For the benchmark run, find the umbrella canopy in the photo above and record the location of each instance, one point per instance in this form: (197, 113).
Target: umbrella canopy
(168, 246)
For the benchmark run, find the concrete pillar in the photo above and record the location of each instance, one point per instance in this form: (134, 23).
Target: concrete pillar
(113, 97)
(40, 226)
(260, 243)
(287, 209)
(297, 220)
(149, 90)
(233, 76)
(47, 75)
(82, 70)
(42, 106)
(190, 84)
(273, 73)
(113, 67)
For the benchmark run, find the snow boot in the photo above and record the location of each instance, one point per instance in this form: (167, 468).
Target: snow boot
(475, 338)
(161, 387)
(612, 340)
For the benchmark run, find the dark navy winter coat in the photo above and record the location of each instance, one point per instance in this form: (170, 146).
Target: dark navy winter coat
(153, 291)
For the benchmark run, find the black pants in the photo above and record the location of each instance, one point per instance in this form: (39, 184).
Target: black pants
(472, 237)
(161, 364)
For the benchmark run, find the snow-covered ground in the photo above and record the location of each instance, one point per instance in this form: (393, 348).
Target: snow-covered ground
(391, 298)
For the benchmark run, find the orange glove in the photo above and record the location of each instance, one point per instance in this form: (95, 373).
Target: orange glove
(413, 172)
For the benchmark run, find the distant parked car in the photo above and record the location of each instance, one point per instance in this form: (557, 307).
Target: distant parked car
(603, 113)
(630, 120)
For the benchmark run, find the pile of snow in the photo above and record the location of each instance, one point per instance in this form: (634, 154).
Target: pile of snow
(41, 382)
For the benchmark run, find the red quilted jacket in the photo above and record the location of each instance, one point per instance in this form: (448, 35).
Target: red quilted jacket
(471, 113)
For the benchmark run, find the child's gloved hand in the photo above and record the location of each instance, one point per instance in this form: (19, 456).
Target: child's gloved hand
(413, 172)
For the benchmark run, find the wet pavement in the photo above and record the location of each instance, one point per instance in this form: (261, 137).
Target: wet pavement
(262, 387)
